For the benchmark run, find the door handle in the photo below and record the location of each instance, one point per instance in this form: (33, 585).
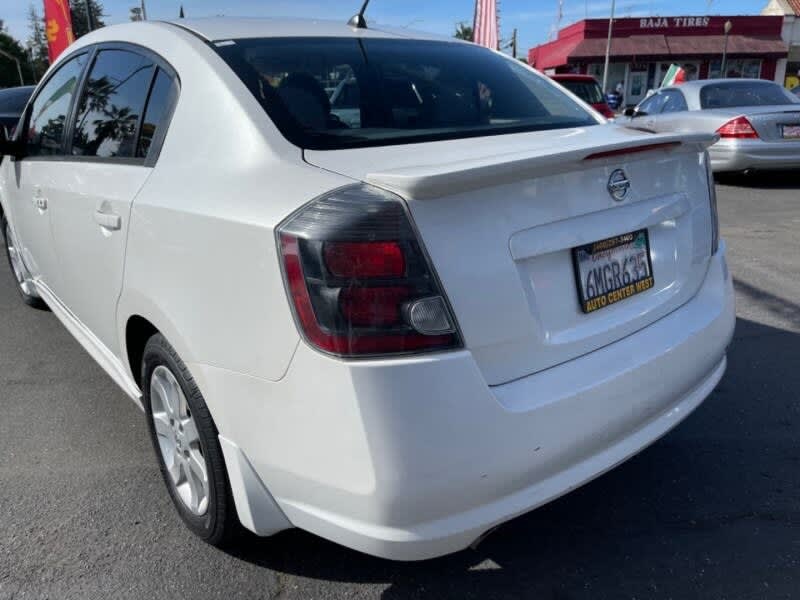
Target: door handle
(108, 221)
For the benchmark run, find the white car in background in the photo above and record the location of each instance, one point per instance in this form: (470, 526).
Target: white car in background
(396, 333)
(757, 121)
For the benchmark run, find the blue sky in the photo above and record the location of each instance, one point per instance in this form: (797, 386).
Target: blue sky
(535, 19)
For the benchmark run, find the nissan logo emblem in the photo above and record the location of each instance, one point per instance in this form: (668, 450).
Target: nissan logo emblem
(618, 185)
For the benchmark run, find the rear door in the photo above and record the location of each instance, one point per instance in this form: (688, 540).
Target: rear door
(113, 143)
(29, 184)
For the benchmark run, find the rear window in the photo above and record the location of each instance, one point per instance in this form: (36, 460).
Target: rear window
(331, 93)
(744, 93)
(588, 91)
(13, 100)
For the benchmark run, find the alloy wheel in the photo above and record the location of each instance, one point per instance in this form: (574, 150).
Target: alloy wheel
(179, 441)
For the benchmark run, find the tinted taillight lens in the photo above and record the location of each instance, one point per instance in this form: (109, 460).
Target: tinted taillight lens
(738, 128)
(358, 278)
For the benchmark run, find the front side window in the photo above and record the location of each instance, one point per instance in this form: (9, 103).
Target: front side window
(673, 102)
(110, 108)
(48, 115)
(744, 93)
(328, 93)
(651, 105)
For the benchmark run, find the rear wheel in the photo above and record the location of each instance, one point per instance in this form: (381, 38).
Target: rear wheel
(25, 285)
(186, 444)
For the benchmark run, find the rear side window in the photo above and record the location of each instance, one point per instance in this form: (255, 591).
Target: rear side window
(588, 91)
(110, 109)
(162, 97)
(328, 93)
(48, 115)
(744, 93)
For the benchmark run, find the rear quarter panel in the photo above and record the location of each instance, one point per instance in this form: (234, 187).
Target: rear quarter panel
(201, 259)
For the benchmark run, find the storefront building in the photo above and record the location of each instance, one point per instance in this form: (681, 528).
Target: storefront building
(642, 50)
(788, 72)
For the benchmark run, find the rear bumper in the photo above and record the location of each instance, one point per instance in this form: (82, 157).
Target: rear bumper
(741, 155)
(416, 458)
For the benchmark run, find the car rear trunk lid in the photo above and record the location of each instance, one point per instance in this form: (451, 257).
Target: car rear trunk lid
(500, 216)
(770, 121)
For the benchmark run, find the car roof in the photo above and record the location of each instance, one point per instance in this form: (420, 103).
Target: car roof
(697, 84)
(572, 77)
(230, 28)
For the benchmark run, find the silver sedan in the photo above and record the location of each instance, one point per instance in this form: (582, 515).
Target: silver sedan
(758, 121)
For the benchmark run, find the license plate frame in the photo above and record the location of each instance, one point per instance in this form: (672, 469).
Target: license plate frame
(613, 247)
(794, 132)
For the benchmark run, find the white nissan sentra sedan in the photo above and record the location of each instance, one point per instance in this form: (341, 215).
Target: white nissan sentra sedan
(395, 330)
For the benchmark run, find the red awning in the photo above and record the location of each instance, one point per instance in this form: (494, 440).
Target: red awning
(676, 46)
(687, 45)
(635, 45)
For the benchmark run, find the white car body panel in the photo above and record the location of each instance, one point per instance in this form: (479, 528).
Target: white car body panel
(91, 256)
(30, 183)
(408, 457)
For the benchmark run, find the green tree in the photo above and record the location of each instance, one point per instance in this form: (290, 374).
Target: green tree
(9, 74)
(463, 32)
(37, 43)
(80, 25)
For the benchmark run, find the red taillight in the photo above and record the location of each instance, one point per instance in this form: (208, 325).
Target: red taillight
(364, 259)
(739, 128)
(373, 306)
(358, 279)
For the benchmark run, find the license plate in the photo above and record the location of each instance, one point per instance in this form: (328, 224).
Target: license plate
(791, 132)
(612, 270)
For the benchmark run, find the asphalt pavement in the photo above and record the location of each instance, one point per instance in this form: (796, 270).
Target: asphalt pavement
(710, 511)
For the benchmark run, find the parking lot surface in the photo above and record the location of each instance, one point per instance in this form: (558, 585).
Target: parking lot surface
(710, 511)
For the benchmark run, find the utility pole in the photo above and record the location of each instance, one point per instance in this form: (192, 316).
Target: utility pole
(514, 43)
(144, 12)
(723, 71)
(608, 45)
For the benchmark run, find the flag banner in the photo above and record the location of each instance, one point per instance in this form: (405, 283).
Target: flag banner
(484, 30)
(58, 26)
(674, 76)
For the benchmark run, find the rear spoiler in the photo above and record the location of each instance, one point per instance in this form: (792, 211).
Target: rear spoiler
(433, 181)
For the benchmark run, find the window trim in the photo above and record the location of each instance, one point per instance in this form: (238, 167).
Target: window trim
(69, 128)
(155, 147)
(22, 131)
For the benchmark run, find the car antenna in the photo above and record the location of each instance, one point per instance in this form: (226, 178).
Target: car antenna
(358, 21)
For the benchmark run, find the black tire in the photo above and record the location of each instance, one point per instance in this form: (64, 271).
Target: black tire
(29, 299)
(219, 526)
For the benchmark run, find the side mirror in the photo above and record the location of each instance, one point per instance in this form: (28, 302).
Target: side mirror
(631, 112)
